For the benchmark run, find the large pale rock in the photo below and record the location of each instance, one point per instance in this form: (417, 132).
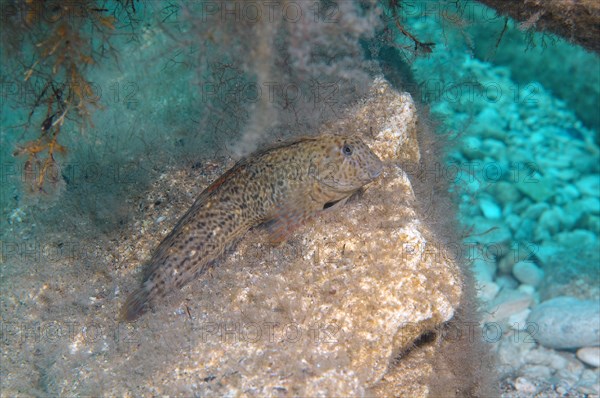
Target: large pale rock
(528, 273)
(589, 356)
(328, 312)
(566, 322)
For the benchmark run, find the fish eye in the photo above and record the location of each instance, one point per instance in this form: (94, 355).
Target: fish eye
(347, 150)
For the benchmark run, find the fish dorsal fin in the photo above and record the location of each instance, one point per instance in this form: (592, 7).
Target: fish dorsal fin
(281, 144)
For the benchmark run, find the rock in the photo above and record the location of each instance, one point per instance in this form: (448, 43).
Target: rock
(495, 148)
(507, 303)
(571, 372)
(518, 321)
(484, 270)
(566, 322)
(534, 211)
(576, 238)
(546, 357)
(329, 312)
(574, 210)
(589, 185)
(540, 189)
(548, 224)
(490, 209)
(536, 372)
(584, 163)
(505, 192)
(592, 223)
(505, 265)
(525, 386)
(589, 383)
(471, 148)
(487, 291)
(489, 124)
(566, 194)
(512, 352)
(525, 231)
(528, 273)
(564, 174)
(589, 205)
(591, 389)
(589, 355)
(513, 221)
(507, 282)
(527, 289)
(547, 252)
(522, 205)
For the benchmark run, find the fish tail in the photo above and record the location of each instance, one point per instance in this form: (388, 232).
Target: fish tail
(136, 304)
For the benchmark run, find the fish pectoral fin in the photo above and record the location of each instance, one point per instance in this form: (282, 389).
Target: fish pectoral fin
(283, 224)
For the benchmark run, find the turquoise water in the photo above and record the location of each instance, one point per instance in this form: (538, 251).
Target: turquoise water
(150, 98)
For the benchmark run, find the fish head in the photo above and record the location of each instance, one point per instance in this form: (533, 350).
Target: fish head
(346, 164)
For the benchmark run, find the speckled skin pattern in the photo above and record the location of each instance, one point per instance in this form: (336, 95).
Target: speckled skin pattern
(281, 188)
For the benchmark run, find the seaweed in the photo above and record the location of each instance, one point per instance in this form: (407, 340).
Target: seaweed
(54, 45)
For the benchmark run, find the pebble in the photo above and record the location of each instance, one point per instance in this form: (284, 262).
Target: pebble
(513, 221)
(576, 238)
(528, 289)
(513, 350)
(539, 189)
(590, 389)
(471, 148)
(570, 192)
(507, 282)
(496, 149)
(589, 205)
(487, 290)
(489, 123)
(589, 185)
(507, 303)
(506, 193)
(525, 386)
(490, 209)
(518, 321)
(522, 205)
(590, 356)
(550, 220)
(528, 273)
(547, 357)
(547, 252)
(566, 322)
(484, 270)
(589, 383)
(536, 372)
(593, 224)
(506, 263)
(534, 211)
(525, 231)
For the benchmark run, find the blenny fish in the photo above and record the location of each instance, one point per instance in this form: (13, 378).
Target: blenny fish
(280, 188)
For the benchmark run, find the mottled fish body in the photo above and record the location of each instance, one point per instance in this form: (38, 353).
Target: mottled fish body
(281, 188)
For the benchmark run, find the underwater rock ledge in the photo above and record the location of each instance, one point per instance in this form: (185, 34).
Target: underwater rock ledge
(328, 312)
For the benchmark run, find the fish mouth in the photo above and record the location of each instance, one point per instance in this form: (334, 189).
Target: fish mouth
(376, 171)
